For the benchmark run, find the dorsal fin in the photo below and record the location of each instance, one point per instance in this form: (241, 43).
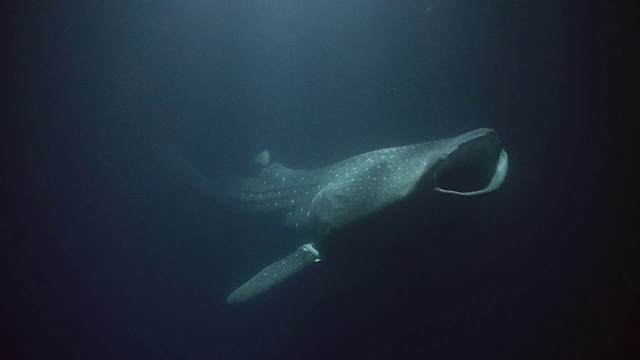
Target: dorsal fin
(263, 158)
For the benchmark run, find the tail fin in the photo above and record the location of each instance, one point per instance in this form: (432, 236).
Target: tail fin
(183, 171)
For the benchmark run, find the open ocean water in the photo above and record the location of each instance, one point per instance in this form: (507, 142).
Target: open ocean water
(112, 253)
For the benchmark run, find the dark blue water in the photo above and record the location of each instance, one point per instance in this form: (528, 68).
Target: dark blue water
(111, 254)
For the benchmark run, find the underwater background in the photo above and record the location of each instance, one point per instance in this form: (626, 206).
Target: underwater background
(110, 253)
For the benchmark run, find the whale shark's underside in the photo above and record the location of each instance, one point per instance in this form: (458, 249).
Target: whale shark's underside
(316, 202)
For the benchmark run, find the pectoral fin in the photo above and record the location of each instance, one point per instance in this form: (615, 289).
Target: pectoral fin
(275, 273)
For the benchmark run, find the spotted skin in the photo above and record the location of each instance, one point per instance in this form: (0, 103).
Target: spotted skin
(346, 191)
(317, 201)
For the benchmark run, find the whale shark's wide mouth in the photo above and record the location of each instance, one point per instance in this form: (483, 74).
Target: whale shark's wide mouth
(473, 167)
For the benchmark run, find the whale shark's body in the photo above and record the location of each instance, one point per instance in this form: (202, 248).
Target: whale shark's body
(315, 202)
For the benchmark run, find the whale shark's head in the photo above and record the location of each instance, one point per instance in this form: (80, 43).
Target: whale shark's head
(471, 164)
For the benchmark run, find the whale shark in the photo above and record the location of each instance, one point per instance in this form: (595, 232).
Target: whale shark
(317, 202)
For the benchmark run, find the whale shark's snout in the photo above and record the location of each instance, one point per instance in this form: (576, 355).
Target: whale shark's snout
(475, 167)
